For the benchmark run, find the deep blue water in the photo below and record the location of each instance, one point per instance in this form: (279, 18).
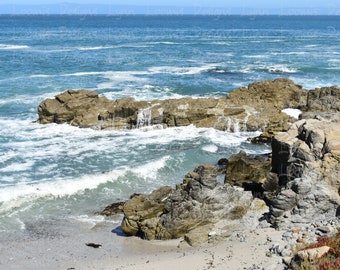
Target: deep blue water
(60, 171)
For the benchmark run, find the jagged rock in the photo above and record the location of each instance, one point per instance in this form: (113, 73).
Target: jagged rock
(257, 107)
(324, 99)
(246, 170)
(112, 209)
(282, 93)
(200, 200)
(306, 161)
(142, 213)
(271, 186)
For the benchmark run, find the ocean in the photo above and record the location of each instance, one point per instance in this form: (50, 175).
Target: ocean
(59, 173)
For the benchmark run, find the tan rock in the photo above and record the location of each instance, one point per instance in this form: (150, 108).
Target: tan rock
(198, 236)
(313, 254)
(256, 107)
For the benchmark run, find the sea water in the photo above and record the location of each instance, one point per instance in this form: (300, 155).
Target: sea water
(59, 172)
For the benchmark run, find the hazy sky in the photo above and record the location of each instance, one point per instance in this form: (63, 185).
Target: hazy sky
(313, 7)
(205, 3)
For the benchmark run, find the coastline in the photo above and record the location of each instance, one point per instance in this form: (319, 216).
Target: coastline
(69, 251)
(236, 232)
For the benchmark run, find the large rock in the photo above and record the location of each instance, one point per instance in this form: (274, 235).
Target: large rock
(198, 202)
(306, 160)
(246, 170)
(324, 99)
(143, 212)
(257, 107)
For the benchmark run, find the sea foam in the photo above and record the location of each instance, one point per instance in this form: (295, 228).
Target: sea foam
(13, 47)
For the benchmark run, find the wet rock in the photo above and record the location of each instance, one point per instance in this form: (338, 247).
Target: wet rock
(257, 107)
(112, 209)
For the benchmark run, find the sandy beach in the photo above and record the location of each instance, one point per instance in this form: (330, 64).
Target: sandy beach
(63, 246)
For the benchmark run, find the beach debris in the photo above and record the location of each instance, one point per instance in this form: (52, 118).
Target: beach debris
(93, 245)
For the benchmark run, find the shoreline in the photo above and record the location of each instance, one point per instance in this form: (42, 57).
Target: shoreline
(69, 251)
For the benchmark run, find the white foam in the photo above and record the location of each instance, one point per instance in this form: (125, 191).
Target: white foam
(94, 48)
(289, 53)
(258, 56)
(143, 92)
(292, 112)
(18, 167)
(13, 47)
(14, 196)
(281, 69)
(150, 170)
(38, 143)
(212, 148)
(41, 76)
(181, 70)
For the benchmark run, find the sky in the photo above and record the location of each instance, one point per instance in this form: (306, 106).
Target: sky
(206, 3)
(303, 6)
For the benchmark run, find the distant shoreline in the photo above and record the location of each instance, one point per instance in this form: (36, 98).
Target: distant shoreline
(166, 15)
(103, 9)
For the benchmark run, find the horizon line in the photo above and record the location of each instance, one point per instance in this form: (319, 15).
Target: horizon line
(108, 9)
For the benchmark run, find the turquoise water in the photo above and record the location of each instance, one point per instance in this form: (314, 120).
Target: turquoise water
(62, 172)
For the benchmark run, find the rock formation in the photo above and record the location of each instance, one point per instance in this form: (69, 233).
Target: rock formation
(301, 182)
(246, 170)
(306, 160)
(199, 201)
(257, 107)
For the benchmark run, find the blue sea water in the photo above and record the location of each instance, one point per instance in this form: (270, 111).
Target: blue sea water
(59, 172)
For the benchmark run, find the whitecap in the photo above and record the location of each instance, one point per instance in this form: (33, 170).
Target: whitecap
(212, 148)
(278, 69)
(94, 48)
(181, 70)
(13, 47)
(18, 167)
(258, 56)
(14, 196)
(41, 76)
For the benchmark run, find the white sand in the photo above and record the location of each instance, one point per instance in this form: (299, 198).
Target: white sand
(63, 247)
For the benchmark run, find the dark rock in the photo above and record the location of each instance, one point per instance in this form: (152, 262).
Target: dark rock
(244, 170)
(112, 209)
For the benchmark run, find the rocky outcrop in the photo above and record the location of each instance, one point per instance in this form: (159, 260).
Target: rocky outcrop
(195, 204)
(300, 181)
(247, 170)
(306, 160)
(257, 107)
(325, 99)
